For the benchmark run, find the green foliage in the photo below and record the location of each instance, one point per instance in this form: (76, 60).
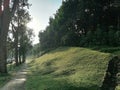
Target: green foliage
(22, 35)
(101, 38)
(82, 23)
(117, 37)
(70, 39)
(35, 50)
(68, 68)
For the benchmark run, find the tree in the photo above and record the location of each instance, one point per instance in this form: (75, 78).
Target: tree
(5, 18)
(78, 21)
(19, 22)
(22, 35)
(6, 15)
(26, 35)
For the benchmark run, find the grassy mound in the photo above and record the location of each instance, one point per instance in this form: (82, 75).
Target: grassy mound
(68, 68)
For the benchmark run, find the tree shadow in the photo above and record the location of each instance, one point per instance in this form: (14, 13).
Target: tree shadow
(105, 49)
(94, 87)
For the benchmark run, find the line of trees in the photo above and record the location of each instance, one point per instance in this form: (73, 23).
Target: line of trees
(13, 17)
(21, 34)
(83, 23)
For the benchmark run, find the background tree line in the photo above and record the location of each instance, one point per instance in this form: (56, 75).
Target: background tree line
(21, 38)
(83, 23)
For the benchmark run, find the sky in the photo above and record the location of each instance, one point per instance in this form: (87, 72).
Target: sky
(40, 12)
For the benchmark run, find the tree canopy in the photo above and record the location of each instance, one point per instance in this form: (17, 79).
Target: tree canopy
(83, 23)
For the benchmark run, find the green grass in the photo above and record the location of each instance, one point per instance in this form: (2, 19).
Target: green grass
(68, 68)
(12, 69)
(4, 79)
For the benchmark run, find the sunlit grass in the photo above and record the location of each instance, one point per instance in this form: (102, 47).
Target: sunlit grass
(68, 69)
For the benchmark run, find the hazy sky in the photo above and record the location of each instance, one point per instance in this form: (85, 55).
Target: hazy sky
(40, 11)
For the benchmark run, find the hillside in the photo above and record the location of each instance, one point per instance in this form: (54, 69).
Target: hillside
(68, 68)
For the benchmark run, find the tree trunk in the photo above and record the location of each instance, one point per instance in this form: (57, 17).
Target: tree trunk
(20, 59)
(20, 56)
(5, 17)
(16, 48)
(23, 58)
(3, 68)
(5, 20)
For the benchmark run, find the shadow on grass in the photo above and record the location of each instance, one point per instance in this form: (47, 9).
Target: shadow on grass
(74, 88)
(81, 88)
(105, 49)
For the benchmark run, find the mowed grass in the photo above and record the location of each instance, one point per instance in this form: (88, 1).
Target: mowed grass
(68, 68)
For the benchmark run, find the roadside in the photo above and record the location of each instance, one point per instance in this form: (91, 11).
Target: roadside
(18, 81)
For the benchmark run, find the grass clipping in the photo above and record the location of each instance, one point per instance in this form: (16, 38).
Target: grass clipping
(68, 68)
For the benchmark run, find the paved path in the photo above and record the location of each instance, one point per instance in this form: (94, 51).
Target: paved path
(18, 82)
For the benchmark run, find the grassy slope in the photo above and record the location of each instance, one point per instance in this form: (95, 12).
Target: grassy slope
(68, 69)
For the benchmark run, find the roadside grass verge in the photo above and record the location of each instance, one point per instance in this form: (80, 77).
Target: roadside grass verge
(12, 69)
(68, 68)
(4, 79)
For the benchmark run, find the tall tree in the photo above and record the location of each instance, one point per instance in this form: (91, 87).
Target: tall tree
(19, 23)
(7, 10)
(25, 40)
(78, 21)
(5, 18)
